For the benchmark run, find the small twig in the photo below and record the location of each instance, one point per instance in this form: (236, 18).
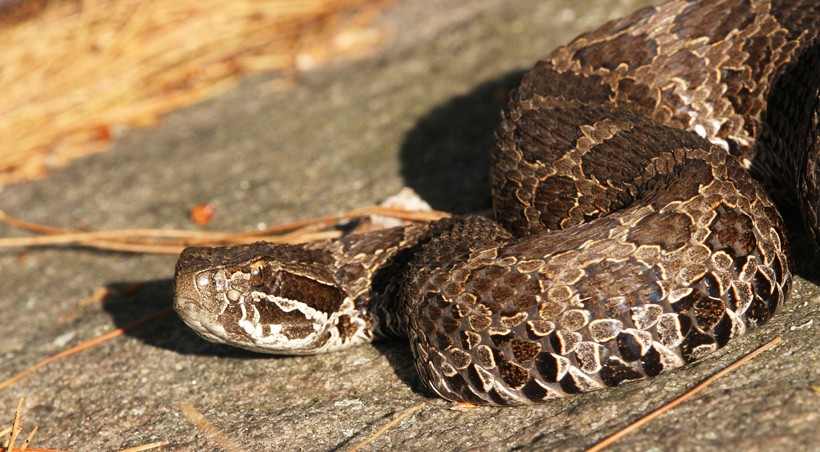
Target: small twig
(3, 449)
(29, 438)
(28, 226)
(203, 425)
(16, 428)
(134, 245)
(401, 416)
(168, 241)
(87, 344)
(148, 446)
(606, 442)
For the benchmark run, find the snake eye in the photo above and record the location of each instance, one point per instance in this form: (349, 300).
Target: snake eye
(259, 274)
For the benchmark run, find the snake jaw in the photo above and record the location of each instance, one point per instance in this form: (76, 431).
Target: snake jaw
(206, 326)
(261, 300)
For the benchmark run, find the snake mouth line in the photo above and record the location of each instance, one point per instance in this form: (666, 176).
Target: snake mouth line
(194, 315)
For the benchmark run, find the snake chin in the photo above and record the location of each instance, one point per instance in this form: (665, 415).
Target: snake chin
(203, 325)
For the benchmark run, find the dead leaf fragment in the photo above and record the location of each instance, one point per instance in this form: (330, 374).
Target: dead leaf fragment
(202, 214)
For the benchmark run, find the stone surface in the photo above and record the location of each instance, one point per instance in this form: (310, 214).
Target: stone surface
(420, 113)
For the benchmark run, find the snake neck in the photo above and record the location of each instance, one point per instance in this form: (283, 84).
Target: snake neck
(389, 301)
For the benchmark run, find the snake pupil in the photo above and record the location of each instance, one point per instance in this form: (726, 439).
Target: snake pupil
(258, 274)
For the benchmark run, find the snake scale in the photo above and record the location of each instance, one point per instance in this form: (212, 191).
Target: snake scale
(629, 235)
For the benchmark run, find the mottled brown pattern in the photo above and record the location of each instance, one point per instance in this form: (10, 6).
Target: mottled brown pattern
(629, 237)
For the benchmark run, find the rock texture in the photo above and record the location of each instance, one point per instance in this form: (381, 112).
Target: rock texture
(420, 113)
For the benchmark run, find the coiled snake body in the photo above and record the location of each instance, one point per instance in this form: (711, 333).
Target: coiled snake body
(629, 237)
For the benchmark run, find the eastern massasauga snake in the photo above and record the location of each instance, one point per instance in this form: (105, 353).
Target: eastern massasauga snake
(628, 239)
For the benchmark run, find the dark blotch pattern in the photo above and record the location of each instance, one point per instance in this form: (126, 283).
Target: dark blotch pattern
(514, 375)
(615, 372)
(547, 366)
(319, 296)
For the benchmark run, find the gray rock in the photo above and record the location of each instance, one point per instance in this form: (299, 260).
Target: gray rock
(420, 113)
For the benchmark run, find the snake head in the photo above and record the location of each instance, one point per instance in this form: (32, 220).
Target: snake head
(266, 298)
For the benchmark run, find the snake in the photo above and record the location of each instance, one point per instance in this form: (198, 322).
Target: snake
(637, 180)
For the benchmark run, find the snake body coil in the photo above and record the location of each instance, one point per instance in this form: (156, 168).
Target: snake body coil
(629, 237)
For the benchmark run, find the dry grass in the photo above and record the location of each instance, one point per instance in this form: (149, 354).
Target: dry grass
(169, 241)
(14, 432)
(78, 71)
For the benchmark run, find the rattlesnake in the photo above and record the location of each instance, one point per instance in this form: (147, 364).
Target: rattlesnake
(629, 237)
